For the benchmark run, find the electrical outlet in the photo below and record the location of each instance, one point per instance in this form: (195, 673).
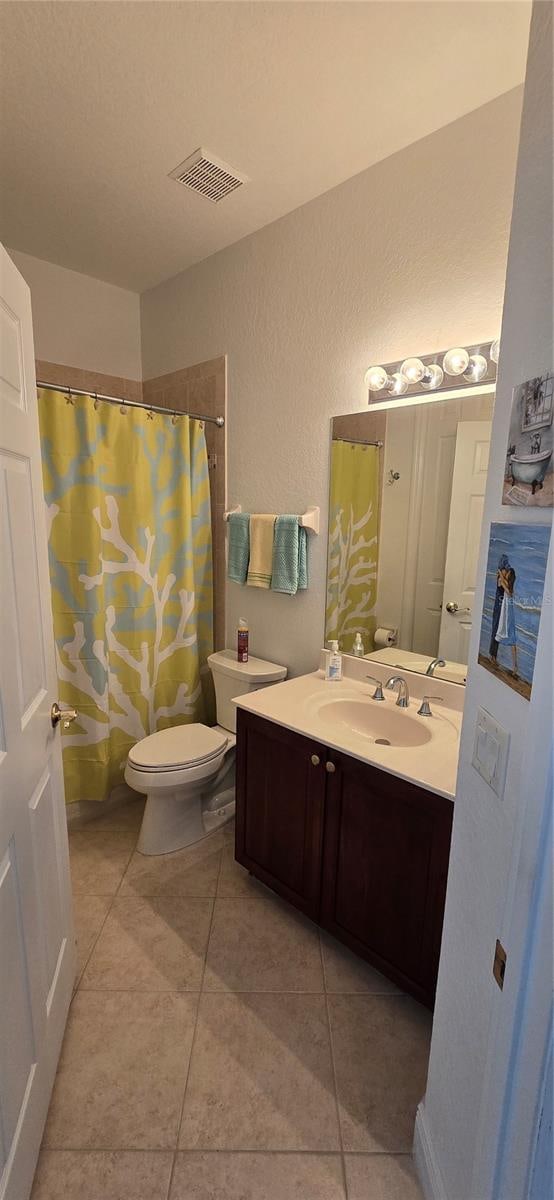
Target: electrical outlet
(490, 751)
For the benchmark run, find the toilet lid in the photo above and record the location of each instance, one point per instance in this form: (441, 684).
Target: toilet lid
(180, 746)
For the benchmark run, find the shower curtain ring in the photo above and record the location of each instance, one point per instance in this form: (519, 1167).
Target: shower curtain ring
(150, 414)
(123, 408)
(70, 397)
(96, 401)
(175, 418)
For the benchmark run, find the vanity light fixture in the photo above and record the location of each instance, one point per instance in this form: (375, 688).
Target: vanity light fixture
(477, 368)
(433, 377)
(377, 380)
(455, 362)
(462, 365)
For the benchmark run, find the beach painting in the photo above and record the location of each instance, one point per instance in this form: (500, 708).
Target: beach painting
(514, 587)
(529, 472)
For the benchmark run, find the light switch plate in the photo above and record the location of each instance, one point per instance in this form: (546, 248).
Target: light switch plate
(490, 751)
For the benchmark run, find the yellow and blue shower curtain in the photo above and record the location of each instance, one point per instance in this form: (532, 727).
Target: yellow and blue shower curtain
(128, 506)
(352, 559)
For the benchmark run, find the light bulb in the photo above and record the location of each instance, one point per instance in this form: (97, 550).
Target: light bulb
(455, 361)
(495, 350)
(477, 368)
(433, 377)
(413, 370)
(397, 384)
(375, 378)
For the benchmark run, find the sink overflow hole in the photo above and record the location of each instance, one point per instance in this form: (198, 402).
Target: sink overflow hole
(382, 742)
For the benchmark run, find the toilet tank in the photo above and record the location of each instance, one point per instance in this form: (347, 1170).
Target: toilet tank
(232, 678)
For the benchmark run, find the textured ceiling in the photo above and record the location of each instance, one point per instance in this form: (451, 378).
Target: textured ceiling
(99, 101)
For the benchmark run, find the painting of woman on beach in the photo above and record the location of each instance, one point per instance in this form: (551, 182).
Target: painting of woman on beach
(516, 571)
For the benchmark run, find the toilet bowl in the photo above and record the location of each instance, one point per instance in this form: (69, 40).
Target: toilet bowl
(187, 771)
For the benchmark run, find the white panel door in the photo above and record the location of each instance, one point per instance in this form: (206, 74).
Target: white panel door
(438, 438)
(464, 530)
(37, 953)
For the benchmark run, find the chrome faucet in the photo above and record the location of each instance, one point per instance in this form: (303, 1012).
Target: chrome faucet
(378, 693)
(435, 662)
(403, 693)
(425, 708)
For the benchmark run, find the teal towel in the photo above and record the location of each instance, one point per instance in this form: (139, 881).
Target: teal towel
(238, 552)
(290, 556)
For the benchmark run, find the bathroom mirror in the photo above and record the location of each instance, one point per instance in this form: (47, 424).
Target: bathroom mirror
(406, 499)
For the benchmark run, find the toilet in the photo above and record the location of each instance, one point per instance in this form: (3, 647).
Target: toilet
(187, 772)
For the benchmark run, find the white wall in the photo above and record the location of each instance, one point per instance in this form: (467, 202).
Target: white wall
(495, 846)
(407, 257)
(80, 321)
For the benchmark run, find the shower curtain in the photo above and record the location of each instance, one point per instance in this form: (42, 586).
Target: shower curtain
(353, 544)
(128, 506)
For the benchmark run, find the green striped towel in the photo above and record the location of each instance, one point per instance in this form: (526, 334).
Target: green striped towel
(238, 552)
(290, 556)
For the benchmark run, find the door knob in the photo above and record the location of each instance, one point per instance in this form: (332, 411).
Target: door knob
(330, 768)
(315, 760)
(65, 715)
(452, 607)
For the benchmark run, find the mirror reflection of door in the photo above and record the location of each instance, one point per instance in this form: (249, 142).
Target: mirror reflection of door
(464, 527)
(432, 476)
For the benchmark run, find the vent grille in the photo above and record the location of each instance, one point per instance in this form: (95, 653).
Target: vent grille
(206, 174)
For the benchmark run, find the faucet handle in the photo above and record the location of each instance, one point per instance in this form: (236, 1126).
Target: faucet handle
(424, 710)
(378, 693)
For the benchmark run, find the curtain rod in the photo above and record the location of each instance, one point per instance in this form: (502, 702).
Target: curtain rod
(168, 412)
(358, 442)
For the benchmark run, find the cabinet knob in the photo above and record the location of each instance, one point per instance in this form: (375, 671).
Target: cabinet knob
(315, 760)
(330, 768)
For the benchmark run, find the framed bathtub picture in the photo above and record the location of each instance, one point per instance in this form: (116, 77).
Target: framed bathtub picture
(529, 474)
(514, 586)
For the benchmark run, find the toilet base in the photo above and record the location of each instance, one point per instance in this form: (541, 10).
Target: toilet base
(172, 822)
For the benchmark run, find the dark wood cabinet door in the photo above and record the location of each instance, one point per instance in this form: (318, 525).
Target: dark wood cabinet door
(280, 803)
(386, 853)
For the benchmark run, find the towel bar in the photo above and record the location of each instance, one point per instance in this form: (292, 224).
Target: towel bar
(309, 519)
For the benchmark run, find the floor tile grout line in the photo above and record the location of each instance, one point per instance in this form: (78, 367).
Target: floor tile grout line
(182, 1112)
(227, 1150)
(112, 898)
(333, 1068)
(251, 991)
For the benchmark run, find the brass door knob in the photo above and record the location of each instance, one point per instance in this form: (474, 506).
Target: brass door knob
(65, 715)
(315, 760)
(330, 768)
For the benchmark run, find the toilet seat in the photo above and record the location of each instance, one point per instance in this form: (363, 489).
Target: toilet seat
(179, 748)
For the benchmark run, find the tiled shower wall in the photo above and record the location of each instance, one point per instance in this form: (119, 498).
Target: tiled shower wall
(199, 389)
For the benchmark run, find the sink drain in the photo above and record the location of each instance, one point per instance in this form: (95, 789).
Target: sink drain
(382, 742)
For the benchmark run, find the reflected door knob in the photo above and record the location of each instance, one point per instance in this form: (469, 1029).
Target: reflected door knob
(315, 760)
(452, 607)
(65, 715)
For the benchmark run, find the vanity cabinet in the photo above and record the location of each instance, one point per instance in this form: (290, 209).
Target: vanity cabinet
(360, 851)
(280, 808)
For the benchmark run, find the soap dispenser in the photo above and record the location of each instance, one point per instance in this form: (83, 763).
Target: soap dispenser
(358, 648)
(333, 666)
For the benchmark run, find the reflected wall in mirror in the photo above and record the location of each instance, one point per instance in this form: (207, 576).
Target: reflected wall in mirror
(405, 508)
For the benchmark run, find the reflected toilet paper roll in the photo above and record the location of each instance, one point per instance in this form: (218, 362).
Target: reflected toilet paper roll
(384, 637)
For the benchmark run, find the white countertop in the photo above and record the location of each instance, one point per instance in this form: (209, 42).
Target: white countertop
(301, 705)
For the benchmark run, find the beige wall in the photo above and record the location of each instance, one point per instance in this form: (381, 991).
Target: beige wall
(81, 321)
(406, 257)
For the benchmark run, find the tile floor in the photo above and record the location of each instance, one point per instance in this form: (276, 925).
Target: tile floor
(218, 1047)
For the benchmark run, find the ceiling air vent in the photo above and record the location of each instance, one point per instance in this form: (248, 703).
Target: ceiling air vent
(205, 173)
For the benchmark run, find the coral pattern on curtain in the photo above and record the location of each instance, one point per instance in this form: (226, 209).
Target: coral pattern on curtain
(128, 506)
(353, 544)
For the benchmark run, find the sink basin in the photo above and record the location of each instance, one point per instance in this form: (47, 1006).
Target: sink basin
(381, 725)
